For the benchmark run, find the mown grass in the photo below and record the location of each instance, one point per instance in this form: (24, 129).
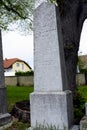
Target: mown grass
(18, 126)
(16, 94)
(83, 92)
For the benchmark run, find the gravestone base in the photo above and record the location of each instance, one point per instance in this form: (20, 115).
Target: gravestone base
(52, 108)
(83, 123)
(5, 119)
(74, 127)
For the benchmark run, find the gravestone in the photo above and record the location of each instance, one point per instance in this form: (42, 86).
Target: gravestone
(5, 117)
(38, 2)
(51, 101)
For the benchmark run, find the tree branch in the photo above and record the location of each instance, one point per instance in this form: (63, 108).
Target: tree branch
(11, 8)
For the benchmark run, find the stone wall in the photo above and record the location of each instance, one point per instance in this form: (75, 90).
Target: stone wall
(80, 79)
(28, 80)
(19, 80)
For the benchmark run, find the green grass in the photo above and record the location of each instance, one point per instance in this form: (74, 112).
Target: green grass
(83, 91)
(16, 94)
(18, 126)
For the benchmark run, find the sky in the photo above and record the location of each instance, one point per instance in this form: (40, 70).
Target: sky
(16, 45)
(83, 40)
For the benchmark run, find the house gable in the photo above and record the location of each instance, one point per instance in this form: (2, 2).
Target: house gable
(15, 65)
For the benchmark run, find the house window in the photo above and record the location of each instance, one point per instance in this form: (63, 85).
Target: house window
(17, 64)
(22, 66)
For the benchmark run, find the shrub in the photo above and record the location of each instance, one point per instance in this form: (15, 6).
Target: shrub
(79, 106)
(27, 73)
(83, 70)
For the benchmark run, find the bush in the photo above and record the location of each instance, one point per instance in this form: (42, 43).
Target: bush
(27, 73)
(83, 70)
(79, 106)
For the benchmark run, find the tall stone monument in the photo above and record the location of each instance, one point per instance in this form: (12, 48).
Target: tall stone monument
(5, 117)
(51, 101)
(38, 2)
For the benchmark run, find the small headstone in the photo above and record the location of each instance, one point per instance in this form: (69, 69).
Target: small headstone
(86, 109)
(83, 123)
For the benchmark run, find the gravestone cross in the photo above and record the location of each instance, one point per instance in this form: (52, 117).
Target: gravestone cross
(51, 101)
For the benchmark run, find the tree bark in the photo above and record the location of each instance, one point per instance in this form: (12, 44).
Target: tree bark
(73, 14)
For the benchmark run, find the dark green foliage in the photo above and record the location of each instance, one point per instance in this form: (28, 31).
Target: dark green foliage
(28, 73)
(59, 2)
(60, 5)
(79, 105)
(18, 126)
(83, 70)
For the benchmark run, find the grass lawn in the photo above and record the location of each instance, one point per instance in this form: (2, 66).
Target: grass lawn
(83, 91)
(18, 126)
(16, 94)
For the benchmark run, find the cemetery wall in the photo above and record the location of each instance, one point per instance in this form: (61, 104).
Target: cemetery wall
(28, 80)
(80, 79)
(19, 80)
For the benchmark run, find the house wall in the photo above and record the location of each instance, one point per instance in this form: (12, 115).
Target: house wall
(9, 73)
(19, 80)
(20, 66)
(8, 70)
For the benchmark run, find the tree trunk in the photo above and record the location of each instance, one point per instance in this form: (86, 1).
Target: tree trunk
(72, 17)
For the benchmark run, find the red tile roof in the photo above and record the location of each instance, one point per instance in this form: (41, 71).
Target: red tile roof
(8, 62)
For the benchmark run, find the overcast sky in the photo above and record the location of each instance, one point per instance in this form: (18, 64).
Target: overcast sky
(16, 45)
(83, 40)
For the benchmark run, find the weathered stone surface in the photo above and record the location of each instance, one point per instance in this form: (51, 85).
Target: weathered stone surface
(54, 108)
(86, 109)
(49, 56)
(83, 123)
(5, 117)
(38, 2)
(3, 100)
(51, 102)
(75, 127)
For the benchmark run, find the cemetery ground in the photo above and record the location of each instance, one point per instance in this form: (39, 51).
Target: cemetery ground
(17, 94)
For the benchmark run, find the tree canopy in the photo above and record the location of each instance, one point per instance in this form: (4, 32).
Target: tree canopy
(16, 11)
(19, 11)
